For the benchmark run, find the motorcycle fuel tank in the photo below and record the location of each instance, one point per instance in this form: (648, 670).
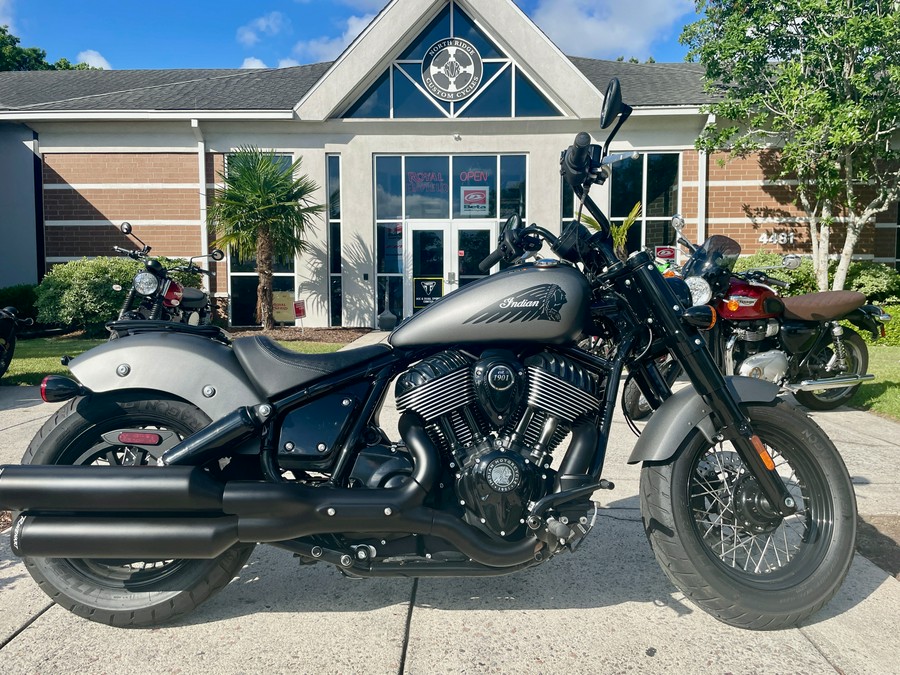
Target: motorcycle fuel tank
(745, 301)
(543, 302)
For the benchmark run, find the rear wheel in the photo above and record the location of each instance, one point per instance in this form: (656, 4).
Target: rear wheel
(124, 592)
(7, 349)
(717, 539)
(857, 359)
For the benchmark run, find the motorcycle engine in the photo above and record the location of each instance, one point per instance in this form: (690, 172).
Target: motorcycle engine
(756, 352)
(496, 420)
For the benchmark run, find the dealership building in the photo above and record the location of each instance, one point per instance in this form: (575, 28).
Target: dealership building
(438, 122)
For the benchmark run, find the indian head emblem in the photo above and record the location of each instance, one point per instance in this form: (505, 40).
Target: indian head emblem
(452, 69)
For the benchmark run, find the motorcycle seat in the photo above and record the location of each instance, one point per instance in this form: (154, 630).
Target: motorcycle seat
(824, 306)
(273, 369)
(193, 298)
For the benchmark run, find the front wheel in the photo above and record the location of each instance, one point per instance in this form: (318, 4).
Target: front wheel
(857, 360)
(7, 349)
(124, 592)
(716, 539)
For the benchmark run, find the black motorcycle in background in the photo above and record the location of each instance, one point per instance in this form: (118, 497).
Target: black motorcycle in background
(9, 324)
(155, 296)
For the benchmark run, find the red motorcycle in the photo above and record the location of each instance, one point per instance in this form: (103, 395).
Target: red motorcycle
(796, 342)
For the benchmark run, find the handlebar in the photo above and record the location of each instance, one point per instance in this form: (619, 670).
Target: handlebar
(492, 259)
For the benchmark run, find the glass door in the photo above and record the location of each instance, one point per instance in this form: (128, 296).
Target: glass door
(473, 243)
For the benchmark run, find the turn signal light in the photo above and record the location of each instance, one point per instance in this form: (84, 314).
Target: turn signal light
(732, 305)
(702, 316)
(56, 388)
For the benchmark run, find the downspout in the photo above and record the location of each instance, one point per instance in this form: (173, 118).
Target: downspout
(702, 178)
(201, 171)
(39, 229)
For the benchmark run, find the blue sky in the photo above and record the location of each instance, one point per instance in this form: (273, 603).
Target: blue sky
(124, 34)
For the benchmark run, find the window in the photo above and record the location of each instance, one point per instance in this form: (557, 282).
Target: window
(333, 190)
(487, 83)
(653, 179)
(244, 280)
(458, 188)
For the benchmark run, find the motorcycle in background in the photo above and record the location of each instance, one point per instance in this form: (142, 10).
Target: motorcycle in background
(156, 296)
(796, 342)
(9, 325)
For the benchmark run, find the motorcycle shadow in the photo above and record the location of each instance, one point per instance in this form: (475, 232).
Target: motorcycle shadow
(614, 565)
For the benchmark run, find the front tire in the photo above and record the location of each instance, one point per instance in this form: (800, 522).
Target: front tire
(6, 353)
(121, 592)
(702, 514)
(857, 363)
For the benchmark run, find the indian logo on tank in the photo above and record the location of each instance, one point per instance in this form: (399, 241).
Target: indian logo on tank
(538, 303)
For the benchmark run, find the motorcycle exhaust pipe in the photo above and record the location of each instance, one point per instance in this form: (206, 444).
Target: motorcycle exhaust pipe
(828, 383)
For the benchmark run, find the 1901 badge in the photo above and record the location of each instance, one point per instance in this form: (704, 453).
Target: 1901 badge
(452, 69)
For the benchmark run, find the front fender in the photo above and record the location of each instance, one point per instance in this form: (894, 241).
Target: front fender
(201, 371)
(684, 410)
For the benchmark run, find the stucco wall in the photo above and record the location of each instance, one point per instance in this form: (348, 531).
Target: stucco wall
(18, 229)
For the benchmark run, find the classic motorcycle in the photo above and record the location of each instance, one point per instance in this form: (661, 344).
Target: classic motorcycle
(147, 491)
(155, 296)
(9, 325)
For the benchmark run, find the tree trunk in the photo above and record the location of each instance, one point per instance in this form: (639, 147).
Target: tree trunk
(821, 244)
(853, 232)
(264, 269)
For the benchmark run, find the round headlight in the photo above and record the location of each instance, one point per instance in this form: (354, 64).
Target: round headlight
(701, 293)
(145, 283)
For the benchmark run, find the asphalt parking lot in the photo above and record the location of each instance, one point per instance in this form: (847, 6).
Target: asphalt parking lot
(608, 608)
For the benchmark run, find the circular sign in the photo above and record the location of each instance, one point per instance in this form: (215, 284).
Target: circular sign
(452, 69)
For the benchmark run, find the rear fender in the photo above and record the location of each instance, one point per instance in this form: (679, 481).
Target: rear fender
(684, 410)
(199, 370)
(867, 317)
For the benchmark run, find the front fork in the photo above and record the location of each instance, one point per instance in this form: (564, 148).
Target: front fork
(663, 308)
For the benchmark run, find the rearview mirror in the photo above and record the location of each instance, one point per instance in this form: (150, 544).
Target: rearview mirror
(612, 103)
(125, 228)
(217, 254)
(678, 223)
(791, 261)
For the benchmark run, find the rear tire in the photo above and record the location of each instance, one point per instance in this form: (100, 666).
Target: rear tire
(6, 354)
(116, 592)
(858, 362)
(702, 514)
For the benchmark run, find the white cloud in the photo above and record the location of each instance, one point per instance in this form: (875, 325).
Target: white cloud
(93, 58)
(270, 24)
(6, 15)
(253, 62)
(287, 63)
(328, 49)
(366, 5)
(608, 30)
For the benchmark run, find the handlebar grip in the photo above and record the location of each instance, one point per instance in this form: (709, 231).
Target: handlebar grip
(578, 152)
(777, 282)
(493, 258)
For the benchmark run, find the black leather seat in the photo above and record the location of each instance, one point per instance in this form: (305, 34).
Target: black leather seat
(273, 369)
(193, 298)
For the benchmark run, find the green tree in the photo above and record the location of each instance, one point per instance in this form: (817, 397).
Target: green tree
(14, 57)
(262, 211)
(820, 81)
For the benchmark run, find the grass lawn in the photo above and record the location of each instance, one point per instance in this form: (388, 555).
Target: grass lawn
(882, 395)
(40, 356)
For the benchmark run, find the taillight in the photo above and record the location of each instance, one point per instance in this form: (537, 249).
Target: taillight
(56, 388)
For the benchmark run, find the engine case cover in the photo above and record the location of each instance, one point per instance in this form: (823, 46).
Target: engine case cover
(497, 489)
(500, 383)
(770, 366)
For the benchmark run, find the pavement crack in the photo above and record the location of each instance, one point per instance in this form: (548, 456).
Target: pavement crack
(25, 626)
(409, 613)
(831, 663)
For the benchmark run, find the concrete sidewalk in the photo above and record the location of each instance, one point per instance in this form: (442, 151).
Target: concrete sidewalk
(608, 608)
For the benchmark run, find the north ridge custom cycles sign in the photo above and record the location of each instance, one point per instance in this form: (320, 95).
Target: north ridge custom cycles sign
(452, 69)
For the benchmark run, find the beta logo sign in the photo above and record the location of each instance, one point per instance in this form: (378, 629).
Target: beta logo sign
(473, 201)
(666, 253)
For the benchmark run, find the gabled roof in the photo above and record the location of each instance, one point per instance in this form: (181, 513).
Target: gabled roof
(649, 84)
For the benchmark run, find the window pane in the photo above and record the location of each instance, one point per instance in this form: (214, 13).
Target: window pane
(474, 246)
(376, 102)
(427, 187)
(388, 188)
(336, 301)
(390, 289)
(334, 248)
(389, 247)
(659, 233)
(464, 28)
(439, 28)
(475, 187)
(567, 207)
(334, 187)
(280, 264)
(428, 253)
(409, 101)
(493, 101)
(530, 102)
(662, 186)
(243, 297)
(627, 181)
(512, 186)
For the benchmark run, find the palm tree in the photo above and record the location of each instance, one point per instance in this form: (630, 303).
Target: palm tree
(262, 211)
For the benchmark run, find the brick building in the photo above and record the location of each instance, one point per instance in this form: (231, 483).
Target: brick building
(440, 120)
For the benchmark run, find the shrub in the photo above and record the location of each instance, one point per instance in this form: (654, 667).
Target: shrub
(878, 282)
(79, 294)
(22, 297)
(802, 280)
(891, 328)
